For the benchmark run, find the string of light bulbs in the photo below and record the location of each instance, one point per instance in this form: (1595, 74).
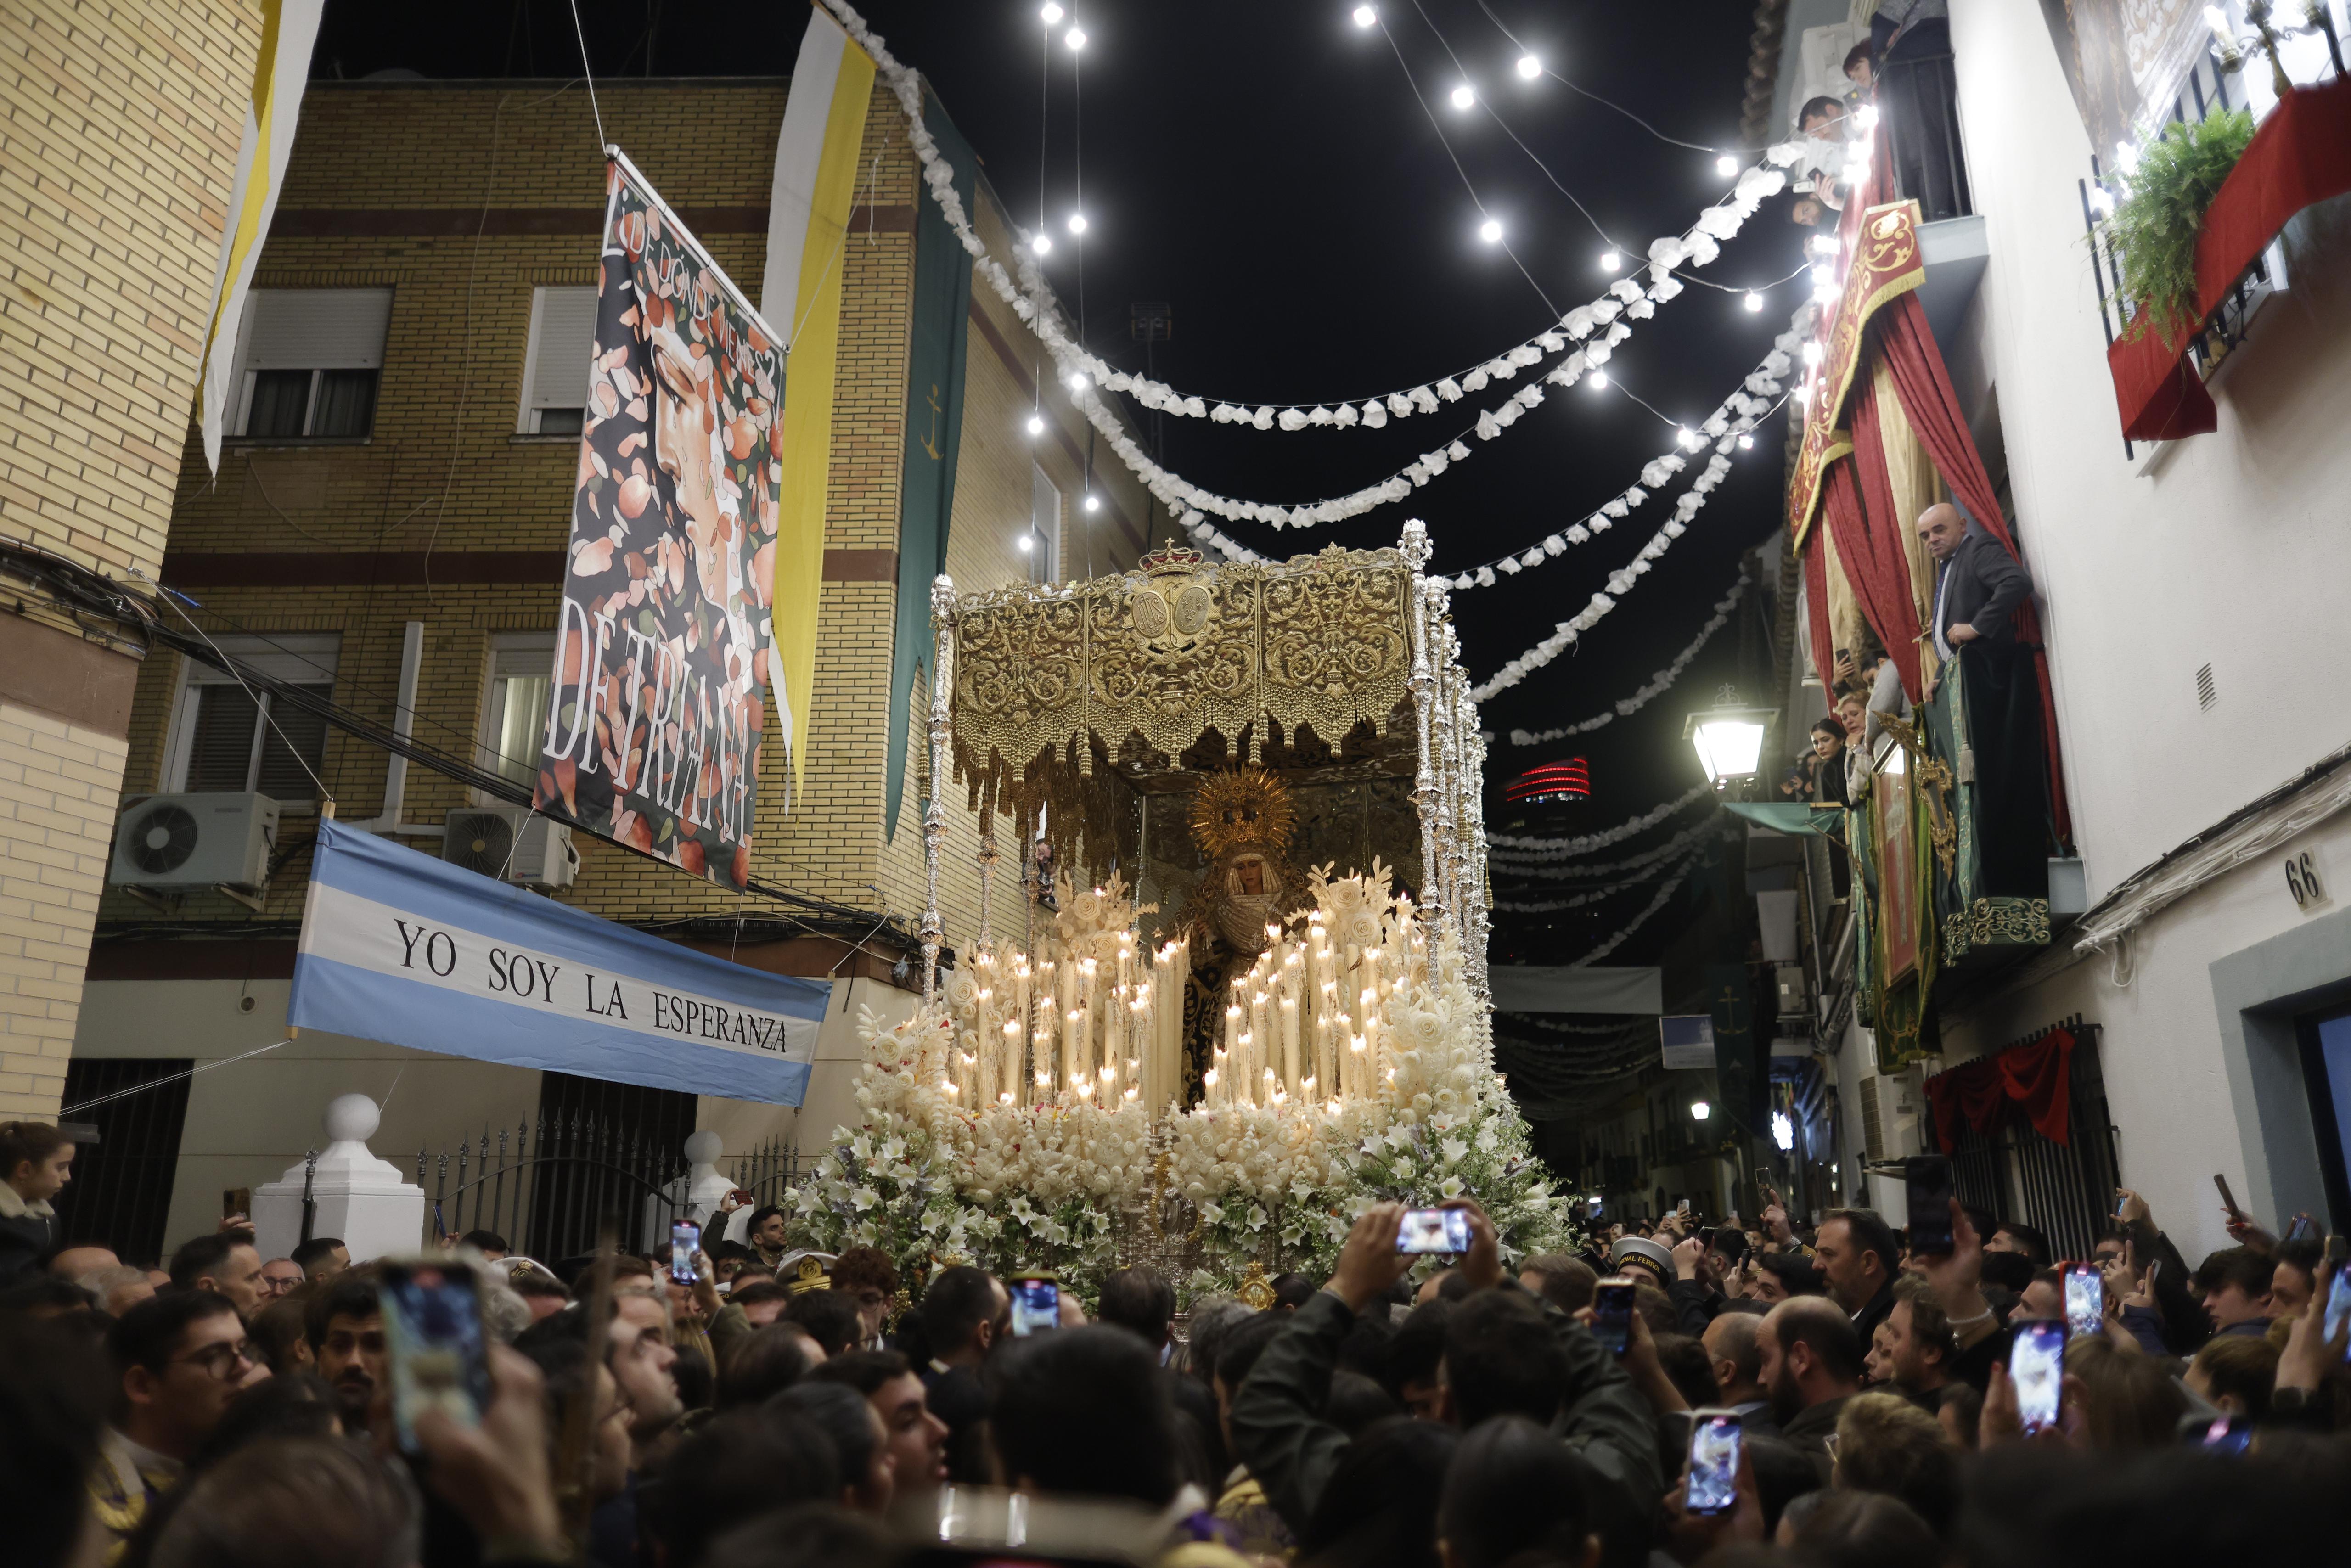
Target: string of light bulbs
(1700, 246)
(1530, 65)
(1607, 837)
(1659, 684)
(1734, 419)
(1027, 297)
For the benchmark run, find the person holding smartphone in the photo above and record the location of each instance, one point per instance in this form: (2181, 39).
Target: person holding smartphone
(1279, 1429)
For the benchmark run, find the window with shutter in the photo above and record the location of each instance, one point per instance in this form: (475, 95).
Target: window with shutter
(226, 739)
(1042, 546)
(308, 363)
(513, 720)
(555, 366)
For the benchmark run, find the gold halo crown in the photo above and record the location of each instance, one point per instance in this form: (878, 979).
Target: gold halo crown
(1245, 809)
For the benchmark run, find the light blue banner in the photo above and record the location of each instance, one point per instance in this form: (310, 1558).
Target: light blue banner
(405, 948)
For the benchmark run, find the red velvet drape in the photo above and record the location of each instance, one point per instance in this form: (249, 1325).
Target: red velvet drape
(1886, 524)
(2038, 1075)
(1874, 563)
(1816, 607)
(1924, 384)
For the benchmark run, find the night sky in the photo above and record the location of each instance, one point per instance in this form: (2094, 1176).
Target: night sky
(1264, 168)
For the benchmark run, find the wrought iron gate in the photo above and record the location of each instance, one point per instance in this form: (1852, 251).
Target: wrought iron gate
(121, 1189)
(2067, 1189)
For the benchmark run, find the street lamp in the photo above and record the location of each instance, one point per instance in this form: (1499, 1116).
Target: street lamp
(1728, 739)
(1700, 1110)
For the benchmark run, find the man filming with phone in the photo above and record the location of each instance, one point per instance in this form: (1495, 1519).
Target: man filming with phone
(1494, 1364)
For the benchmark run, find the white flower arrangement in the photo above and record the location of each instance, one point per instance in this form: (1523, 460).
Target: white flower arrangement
(933, 1182)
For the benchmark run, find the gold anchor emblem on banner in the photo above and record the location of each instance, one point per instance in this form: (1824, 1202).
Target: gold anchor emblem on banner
(931, 442)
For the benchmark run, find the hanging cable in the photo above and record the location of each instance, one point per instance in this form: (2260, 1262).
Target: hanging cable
(1495, 116)
(580, 33)
(1507, 249)
(1674, 140)
(260, 705)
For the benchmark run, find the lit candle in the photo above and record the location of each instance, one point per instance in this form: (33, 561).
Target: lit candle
(1289, 1040)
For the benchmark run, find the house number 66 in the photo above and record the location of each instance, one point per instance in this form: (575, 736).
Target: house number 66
(2302, 880)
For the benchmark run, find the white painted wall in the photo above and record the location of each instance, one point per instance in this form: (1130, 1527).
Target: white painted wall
(247, 1122)
(2232, 548)
(2235, 551)
(2167, 1086)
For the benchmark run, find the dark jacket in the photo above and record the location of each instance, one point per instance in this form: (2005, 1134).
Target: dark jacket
(1985, 586)
(1696, 1302)
(27, 1232)
(1810, 1431)
(1279, 1433)
(1880, 1308)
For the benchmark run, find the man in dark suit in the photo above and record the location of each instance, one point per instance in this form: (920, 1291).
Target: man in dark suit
(1978, 584)
(1978, 588)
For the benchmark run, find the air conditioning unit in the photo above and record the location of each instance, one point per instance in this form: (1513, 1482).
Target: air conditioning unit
(1794, 1001)
(194, 841)
(1890, 1123)
(512, 842)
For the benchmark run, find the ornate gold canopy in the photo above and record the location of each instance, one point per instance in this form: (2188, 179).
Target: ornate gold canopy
(1184, 667)
(1179, 647)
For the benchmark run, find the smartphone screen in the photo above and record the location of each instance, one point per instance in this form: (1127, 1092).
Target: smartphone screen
(1612, 1314)
(1036, 1305)
(433, 1345)
(2229, 1435)
(1927, 1181)
(2085, 1300)
(684, 1239)
(1713, 1485)
(2301, 1229)
(2036, 1365)
(2338, 1307)
(1434, 1231)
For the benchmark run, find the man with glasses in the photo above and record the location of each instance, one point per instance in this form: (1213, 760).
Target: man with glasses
(178, 1361)
(278, 1277)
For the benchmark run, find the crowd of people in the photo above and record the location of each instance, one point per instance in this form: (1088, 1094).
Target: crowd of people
(757, 1407)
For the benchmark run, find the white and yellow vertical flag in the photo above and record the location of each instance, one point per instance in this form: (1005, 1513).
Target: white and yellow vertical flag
(817, 172)
(280, 70)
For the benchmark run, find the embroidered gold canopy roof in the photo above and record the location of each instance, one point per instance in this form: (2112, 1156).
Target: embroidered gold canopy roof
(1045, 674)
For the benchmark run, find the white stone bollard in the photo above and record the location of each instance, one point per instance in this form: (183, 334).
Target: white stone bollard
(362, 1200)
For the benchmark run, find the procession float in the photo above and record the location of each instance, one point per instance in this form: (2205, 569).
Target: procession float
(1248, 996)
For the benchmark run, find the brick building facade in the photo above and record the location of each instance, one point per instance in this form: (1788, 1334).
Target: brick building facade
(119, 130)
(465, 201)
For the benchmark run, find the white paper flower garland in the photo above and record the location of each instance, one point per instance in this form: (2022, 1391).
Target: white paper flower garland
(1588, 843)
(1605, 317)
(1595, 894)
(1552, 1026)
(1757, 396)
(1616, 940)
(1659, 684)
(1620, 583)
(1666, 851)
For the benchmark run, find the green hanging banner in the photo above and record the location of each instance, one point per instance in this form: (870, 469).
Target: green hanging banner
(1741, 1070)
(934, 431)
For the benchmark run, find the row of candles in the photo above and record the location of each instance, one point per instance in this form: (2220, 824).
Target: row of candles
(1304, 1024)
(1105, 1026)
